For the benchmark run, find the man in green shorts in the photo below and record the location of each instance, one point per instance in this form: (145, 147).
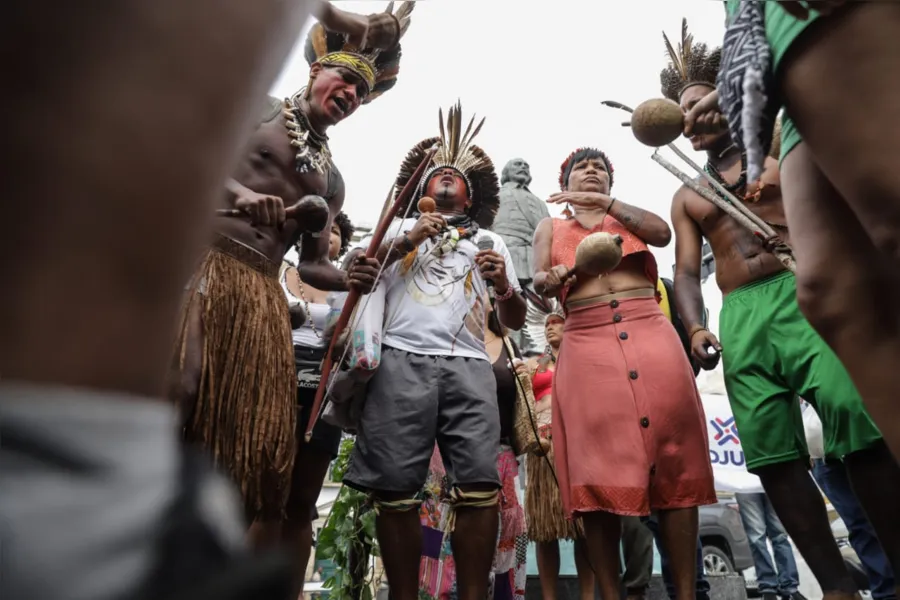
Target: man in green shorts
(841, 183)
(770, 352)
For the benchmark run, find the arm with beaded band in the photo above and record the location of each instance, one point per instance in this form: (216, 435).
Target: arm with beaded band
(393, 250)
(511, 306)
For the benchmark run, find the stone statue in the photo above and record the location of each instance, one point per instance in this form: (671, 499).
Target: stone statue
(517, 218)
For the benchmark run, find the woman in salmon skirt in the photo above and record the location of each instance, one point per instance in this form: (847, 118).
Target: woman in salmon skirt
(629, 433)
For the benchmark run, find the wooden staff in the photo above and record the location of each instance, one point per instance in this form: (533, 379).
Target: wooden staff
(353, 295)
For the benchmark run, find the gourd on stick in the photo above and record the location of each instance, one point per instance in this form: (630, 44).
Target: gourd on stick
(659, 122)
(597, 254)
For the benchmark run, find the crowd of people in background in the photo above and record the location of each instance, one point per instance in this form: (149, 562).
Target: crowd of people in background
(110, 493)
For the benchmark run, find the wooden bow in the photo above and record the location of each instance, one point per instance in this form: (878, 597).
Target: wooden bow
(353, 296)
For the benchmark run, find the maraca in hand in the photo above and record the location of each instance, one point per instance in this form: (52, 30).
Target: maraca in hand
(311, 212)
(598, 254)
(659, 122)
(426, 205)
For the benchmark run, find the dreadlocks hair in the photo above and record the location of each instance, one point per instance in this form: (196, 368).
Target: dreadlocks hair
(347, 229)
(692, 64)
(576, 157)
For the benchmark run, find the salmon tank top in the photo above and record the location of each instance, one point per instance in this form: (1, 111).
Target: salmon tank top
(568, 233)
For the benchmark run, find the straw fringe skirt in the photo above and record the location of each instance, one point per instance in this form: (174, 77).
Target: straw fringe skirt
(543, 503)
(244, 413)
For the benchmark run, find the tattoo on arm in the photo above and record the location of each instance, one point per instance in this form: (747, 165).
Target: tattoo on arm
(629, 216)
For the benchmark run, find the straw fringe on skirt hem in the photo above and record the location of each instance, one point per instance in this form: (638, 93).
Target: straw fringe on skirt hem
(544, 512)
(244, 414)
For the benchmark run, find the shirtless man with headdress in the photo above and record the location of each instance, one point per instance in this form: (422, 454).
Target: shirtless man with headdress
(770, 352)
(435, 381)
(827, 63)
(234, 364)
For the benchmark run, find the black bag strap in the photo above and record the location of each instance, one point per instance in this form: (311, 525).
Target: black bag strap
(680, 328)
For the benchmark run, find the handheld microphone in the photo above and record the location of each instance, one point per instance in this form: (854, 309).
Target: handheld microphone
(487, 243)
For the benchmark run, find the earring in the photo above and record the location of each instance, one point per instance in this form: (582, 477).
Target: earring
(567, 212)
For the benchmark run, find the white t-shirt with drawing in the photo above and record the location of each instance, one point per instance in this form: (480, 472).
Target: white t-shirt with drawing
(435, 304)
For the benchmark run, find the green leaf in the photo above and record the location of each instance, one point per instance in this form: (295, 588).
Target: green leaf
(368, 522)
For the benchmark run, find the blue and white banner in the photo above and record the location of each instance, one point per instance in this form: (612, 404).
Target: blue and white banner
(725, 451)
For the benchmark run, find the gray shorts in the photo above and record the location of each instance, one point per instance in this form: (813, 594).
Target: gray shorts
(414, 400)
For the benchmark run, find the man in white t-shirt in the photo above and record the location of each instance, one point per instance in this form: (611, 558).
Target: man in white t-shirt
(435, 382)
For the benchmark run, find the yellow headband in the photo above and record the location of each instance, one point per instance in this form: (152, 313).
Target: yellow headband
(354, 62)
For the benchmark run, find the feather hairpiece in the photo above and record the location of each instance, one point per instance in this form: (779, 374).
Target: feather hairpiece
(455, 148)
(456, 151)
(378, 68)
(692, 64)
(555, 314)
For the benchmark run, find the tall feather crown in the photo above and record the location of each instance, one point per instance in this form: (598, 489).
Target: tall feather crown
(692, 64)
(456, 151)
(378, 68)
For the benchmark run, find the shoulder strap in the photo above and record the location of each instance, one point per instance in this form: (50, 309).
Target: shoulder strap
(511, 349)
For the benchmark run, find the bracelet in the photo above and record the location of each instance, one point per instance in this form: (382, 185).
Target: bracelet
(611, 202)
(695, 330)
(407, 245)
(505, 295)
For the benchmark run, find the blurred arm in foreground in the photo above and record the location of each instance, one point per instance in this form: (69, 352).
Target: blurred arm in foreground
(154, 99)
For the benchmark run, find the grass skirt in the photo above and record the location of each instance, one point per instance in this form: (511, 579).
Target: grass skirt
(543, 504)
(245, 413)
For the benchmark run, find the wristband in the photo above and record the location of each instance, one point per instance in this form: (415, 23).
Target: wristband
(407, 245)
(695, 330)
(505, 295)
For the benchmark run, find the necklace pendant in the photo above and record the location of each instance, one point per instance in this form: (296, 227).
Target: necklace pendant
(312, 155)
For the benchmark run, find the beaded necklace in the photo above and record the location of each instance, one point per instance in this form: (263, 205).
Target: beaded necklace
(313, 153)
(451, 237)
(302, 298)
(735, 188)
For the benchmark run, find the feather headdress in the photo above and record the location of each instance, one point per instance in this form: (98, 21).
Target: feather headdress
(378, 68)
(557, 313)
(456, 151)
(692, 64)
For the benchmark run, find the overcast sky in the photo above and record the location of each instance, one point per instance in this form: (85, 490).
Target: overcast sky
(538, 74)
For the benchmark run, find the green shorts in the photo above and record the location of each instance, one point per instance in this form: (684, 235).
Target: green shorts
(771, 355)
(781, 31)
